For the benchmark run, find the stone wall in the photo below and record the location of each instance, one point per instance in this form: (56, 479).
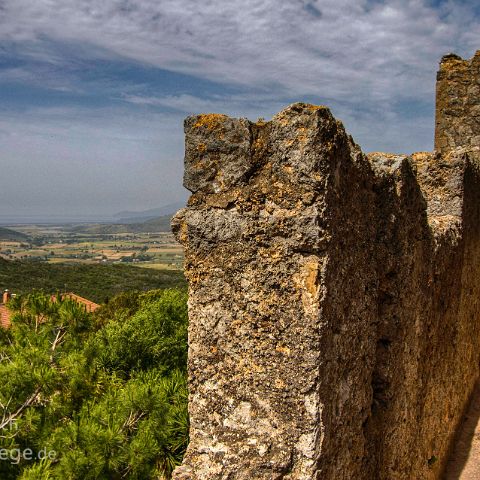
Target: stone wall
(458, 103)
(334, 301)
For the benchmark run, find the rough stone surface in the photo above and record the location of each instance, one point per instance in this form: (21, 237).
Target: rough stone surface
(334, 301)
(458, 103)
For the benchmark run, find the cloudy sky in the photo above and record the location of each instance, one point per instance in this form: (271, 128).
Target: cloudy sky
(93, 92)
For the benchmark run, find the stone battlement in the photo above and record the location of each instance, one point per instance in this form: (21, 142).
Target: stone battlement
(334, 296)
(457, 122)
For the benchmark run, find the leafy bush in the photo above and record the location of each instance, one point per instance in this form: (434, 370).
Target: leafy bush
(104, 394)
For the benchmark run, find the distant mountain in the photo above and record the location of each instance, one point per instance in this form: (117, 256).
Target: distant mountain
(153, 213)
(154, 225)
(161, 224)
(6, 234)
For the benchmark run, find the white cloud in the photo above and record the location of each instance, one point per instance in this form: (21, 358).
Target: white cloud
(240, 105)
(331, 48)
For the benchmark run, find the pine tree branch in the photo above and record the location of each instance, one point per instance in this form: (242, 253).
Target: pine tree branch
(13, 416)
(58, 340)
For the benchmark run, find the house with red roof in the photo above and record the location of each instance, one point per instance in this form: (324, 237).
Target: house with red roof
(5, 314)
(90, 306)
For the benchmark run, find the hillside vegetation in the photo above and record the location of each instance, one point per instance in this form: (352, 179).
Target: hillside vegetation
(7, 234)
(96, 282)
(153, 225)
(142, 216)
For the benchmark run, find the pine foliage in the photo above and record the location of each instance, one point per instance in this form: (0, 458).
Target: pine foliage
(94, 396)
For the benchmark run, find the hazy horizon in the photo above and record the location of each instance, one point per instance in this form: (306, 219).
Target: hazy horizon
(93, 94)
(111, 217)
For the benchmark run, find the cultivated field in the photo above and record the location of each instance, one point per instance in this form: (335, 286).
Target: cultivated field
(59, 244)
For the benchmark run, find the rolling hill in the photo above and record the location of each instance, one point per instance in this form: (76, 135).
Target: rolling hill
(154, 213)
(6, 234)
(95, 282)
(154, 225)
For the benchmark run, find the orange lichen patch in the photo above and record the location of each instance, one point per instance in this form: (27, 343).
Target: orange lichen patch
(250, 366)
(455, 64)
(422, 156)
(183, 234)
(201, 147)
(302, 135)
(279, 383)
(316, 107)
(284, 350)
(283, 120)
(212, 121)
(311, 277)
(222, 200)
(259, 143)
(383, 154)
(422, 160)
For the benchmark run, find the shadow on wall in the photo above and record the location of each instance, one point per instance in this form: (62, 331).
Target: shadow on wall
(464, 462)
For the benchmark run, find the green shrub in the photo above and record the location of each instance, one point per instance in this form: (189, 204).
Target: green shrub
(104, 393)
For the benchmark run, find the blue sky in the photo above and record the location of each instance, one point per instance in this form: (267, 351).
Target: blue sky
(93, 93)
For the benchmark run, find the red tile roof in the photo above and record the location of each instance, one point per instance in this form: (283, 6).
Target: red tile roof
(89, 305)
(6, 315)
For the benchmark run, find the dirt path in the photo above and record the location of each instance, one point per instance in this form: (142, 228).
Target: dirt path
(465, 461)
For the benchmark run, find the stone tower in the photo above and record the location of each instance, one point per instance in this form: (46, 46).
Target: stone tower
(457, 112)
